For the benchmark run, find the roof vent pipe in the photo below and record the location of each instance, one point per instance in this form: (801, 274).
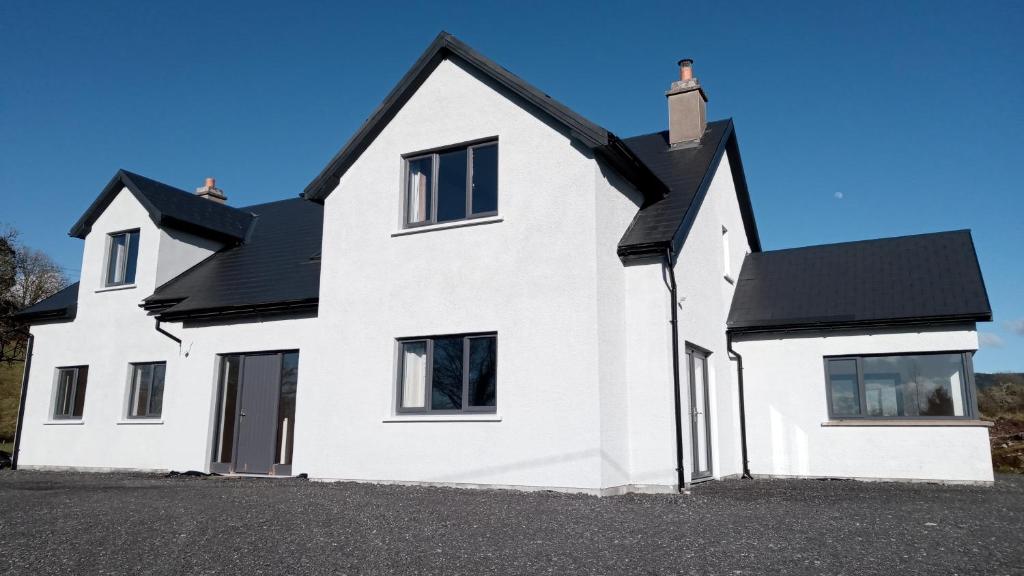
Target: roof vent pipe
(211, 192)
(687, 108)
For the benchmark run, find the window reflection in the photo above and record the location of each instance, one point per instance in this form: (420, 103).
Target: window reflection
(898, 386)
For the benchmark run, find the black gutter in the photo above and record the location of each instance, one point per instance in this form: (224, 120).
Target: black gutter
(675, 369)
(21, 401)
(839, 325)
(245, 310)
(734, 355)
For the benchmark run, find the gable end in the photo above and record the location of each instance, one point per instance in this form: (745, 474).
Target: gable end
(446, 46)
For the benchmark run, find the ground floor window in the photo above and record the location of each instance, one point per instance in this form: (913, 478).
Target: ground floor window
(69, 401)
(900, 386)
(146, 397)
(448, 373)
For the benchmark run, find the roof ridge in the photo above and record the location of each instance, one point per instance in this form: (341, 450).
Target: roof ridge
(866, 241)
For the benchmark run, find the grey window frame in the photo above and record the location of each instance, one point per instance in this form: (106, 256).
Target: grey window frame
(967, 383)
(127, 249)
(133, 366)
(429, 377)
(434, 154)
(73, 395)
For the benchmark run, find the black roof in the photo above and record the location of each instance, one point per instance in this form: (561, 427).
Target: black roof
(687, 173)
(445, 46)
(905, 280)
(61, 306)
(169, 206)
(277, 268)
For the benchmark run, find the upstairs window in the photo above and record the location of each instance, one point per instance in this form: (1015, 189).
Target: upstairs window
(146, 398)
(726, 251)
(448, 374)
(906, 386)
(451, 184)
(122, 255)
(69, 401)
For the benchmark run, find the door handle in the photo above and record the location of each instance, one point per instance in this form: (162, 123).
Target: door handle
(242, 413)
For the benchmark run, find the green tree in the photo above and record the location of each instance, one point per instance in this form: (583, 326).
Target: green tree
(26, 277)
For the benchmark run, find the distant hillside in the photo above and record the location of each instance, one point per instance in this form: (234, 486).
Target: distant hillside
(1001, 399)
(983, 380)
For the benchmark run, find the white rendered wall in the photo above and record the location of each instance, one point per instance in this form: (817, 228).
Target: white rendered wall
(786, 406)
(651, 402)
(705, 296)
(111, 331)
(180, 251)
(532, 277)
(617, 204)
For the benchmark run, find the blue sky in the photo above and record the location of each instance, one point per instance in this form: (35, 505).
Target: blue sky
(856, 120)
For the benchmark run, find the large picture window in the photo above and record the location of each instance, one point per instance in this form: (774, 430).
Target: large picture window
(936, 385)
(69, 400)
(448, 373)
(122, 256)
(451, 184)
(146, 398)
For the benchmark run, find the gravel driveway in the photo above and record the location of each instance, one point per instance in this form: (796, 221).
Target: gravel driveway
(70, 523)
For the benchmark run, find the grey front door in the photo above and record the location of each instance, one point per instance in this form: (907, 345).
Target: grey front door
(257, 414)
(700, 424)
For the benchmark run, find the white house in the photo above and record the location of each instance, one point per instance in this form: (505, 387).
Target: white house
(483, 288)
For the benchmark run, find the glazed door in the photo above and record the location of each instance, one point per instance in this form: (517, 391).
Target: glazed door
(700, 425)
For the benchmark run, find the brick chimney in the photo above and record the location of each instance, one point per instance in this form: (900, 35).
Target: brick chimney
(687, 108)
(211, 192)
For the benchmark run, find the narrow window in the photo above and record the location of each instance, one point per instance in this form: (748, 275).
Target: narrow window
(900, 386)
(227, 408)
(413, 374)
(482, 371)
(146, 397)
(448, 374)
(286, 407)
(69, 401)
(122, 256)
(420, 190)
(843, 387)
(485, 179)
(452, 184)
(727, 262)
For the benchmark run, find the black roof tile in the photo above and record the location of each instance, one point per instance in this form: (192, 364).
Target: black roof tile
(909, 279)
(61, 306)
(687, 173)
(276, 266)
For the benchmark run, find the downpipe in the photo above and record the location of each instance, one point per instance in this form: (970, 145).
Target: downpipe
(738, 358)
(21, 401)
(680, 476)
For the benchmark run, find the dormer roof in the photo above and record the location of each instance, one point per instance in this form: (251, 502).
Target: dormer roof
(169, 206)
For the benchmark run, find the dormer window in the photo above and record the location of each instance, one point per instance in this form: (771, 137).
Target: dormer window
(122, 255)
(450, 184)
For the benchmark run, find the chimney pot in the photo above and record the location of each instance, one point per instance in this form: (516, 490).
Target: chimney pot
(686, 69)
(210, 191)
